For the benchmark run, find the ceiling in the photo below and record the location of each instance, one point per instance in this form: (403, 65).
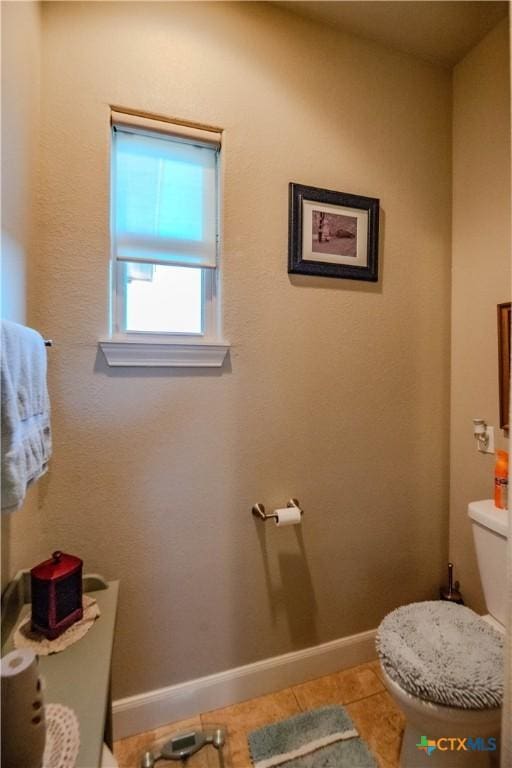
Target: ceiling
(439, 31)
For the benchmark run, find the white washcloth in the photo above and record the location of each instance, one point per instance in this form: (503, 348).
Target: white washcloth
(26, 435)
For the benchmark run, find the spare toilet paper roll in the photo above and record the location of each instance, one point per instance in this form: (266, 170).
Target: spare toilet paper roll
(288, 516)
(23, 723)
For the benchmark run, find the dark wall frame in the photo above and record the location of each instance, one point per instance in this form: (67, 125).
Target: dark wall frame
(504, 317)
(297, 265)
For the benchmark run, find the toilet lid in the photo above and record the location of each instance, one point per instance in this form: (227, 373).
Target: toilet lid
(444, 653)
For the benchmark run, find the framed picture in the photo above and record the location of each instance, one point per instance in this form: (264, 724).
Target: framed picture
(332, 234)
(504, 361)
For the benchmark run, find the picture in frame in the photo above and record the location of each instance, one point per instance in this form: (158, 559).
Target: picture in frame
(504, 317)
(332, 234)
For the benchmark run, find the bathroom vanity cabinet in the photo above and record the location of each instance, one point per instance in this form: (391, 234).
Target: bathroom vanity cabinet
(79, 676)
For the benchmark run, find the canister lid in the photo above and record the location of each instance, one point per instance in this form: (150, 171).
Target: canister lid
(60, 564)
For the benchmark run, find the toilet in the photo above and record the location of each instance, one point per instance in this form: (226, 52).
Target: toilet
(443, 664)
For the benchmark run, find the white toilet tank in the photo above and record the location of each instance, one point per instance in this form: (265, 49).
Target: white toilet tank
(490, 533)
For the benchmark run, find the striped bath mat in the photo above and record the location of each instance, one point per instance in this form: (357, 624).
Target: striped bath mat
(320, 738)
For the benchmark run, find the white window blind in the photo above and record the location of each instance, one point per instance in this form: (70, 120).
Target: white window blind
(165, 193)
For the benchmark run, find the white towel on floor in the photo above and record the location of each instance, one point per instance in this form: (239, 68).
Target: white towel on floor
(25, 418)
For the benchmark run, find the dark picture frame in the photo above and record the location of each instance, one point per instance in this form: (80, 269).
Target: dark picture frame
(504, 318)
(332, 234)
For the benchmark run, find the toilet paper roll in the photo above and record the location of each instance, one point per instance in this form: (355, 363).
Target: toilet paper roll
(288, 516)
(23, 723)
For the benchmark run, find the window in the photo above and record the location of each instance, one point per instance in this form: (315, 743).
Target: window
(164, 229)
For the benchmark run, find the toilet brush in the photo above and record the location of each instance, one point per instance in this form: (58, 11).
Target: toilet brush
(451, 592)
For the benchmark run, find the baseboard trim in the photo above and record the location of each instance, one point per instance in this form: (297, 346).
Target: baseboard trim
(146, 711)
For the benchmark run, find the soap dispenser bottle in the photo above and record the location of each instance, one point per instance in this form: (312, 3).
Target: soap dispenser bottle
(501, 480)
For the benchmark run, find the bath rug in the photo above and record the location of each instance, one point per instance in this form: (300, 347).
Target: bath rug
(443, 653)
(320, 738)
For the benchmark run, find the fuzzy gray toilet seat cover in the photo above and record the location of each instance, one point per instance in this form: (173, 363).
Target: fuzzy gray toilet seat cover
(444, 653)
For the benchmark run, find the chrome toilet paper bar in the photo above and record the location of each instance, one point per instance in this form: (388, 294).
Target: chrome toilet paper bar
(258, 510)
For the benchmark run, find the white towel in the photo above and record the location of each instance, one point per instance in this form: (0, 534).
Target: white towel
(26, 435)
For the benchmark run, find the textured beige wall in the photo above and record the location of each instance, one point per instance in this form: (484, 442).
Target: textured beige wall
(21, 53)
(336, 392)
(480, 279)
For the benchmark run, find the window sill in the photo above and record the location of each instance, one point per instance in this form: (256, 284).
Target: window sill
(162, 354)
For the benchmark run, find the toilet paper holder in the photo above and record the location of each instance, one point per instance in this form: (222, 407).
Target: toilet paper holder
(258, 510)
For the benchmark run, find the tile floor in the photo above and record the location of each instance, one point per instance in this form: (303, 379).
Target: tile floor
(359, 690)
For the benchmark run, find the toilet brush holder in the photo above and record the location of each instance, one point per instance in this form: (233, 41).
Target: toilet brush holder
(451, 592)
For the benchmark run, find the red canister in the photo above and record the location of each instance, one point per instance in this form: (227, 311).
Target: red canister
(56, 587)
